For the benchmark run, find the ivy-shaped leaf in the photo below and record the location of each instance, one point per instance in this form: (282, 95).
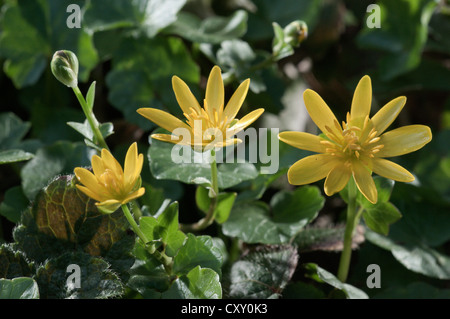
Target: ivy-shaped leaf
(263, 273)
(63, 218)
(96, 279)
(13, 263)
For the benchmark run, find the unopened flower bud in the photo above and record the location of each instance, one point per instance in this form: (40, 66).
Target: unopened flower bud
(295, 32)
(64, 67)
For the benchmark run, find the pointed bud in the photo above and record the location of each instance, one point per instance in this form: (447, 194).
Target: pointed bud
(64, 67)
(295, 32)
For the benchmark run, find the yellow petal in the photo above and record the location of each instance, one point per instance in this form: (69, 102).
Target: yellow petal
(215, 90)
(336, 179)
(245, 121)
(87, 179)
(362, 100)
(90, 193)
(97, 165)
(131, 162)
(161, 118)
(404, 140)
(228, 142)
(387, 114)
(363, 178)
(134, 195)
(235, 103)
(391, 170)
(311, 169)
(303, 141)
(110, 162)
(184, 96)
(320, 112)
(171, 139)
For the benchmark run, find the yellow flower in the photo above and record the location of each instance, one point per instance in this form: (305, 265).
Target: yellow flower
(111, 185)
(358, 147)
(211, 126)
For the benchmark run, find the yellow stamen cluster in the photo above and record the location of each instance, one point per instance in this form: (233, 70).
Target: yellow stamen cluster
(353, 141)
(212, 122)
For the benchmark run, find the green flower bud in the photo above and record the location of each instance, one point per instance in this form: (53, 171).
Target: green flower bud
(295, 32)
(64, 67)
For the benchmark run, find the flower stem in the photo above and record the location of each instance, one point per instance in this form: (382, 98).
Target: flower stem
(165, 260)
(98, 137)
(352, 218)
(209, 218)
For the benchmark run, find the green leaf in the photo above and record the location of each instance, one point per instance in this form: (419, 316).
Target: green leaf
(33, 31)
(200, 250)
(418, 258)
(402, 36)
(90, 96)
(415, 290)
(96, 278)
(11, 156)
(211, 29)
(255, 222)
(163, 167)
(146, 16)
(13, 263)
(13, 204)
(321, 275)
(223, 207)
(49, 161)
(425, 220)
(141, 75)
(199, 283)
(164, 228)
(380, 216)
(12, 130)
(263, 273)
(106, 129)
(147, 276)
(63, 219)
(19, 288)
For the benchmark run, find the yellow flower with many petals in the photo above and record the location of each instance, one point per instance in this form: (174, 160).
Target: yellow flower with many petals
(110, 185)
(356, 148)
(211, 126)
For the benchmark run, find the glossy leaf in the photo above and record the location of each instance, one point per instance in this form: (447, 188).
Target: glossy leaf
(163, 167)
(19, 288)
(255, 222)
(321, 275)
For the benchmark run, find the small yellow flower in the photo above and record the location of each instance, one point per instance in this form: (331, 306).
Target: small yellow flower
(111, 185)
(358, 147)
(211, 126)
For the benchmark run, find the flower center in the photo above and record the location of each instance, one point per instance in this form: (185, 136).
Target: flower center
(112, 184)
(352, 141)
(208, 123)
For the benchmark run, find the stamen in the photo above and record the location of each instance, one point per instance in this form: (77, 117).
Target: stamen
(357, 154)
(374, 140)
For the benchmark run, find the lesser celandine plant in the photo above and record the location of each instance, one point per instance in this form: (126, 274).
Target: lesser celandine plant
(207, 128)
(349, 153)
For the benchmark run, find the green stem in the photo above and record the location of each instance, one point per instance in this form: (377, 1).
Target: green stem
(209, 218)
(352, 215)
(161, 256)
(133, 224)
(98, 137)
